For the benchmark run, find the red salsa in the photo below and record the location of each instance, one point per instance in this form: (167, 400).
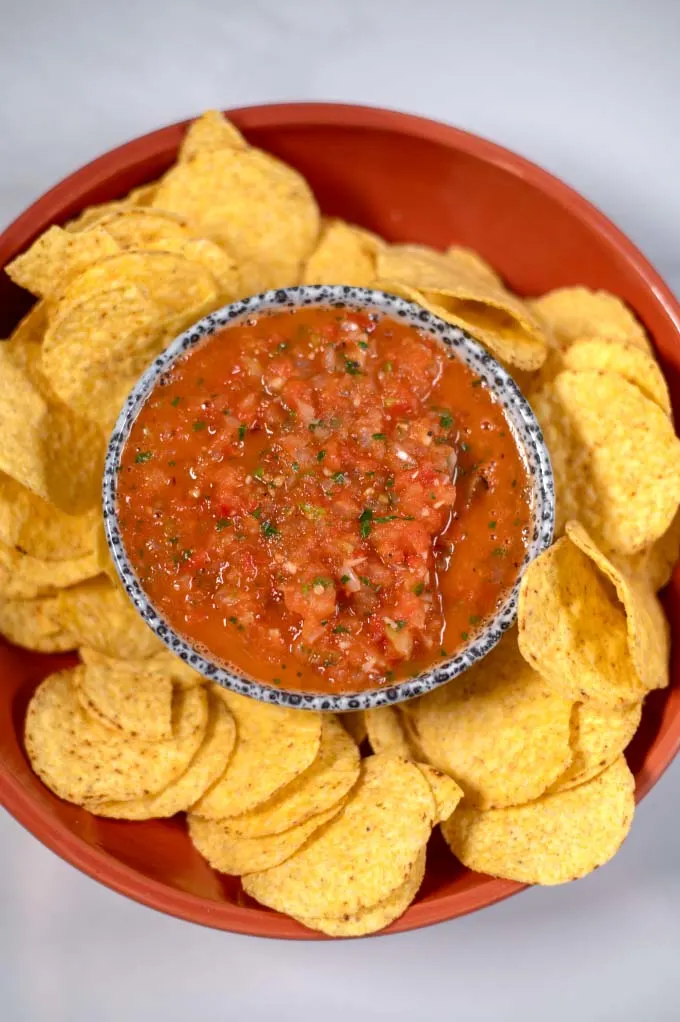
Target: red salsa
(325, 499)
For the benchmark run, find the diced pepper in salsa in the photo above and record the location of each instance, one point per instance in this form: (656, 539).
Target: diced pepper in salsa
(326, 499)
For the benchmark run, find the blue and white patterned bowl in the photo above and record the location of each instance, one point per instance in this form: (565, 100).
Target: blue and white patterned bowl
(525, 429)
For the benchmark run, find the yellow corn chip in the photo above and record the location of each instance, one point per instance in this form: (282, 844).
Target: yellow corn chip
(81, 760)
(574, 312)
(261, 210)
(165, 665)
(386, 733)
(364, 854)
(98, 614)
(320, 787)
(573, 628)
(214, 259)
(456, 290)
(344, 254)
(231, 853)
(648, 634)
(355, 724)
(476, 263)
(127, 698)
(47, 448)
(615, 457)
(599, 736)
(211, 131)
(36, 528)
(375, 917)
(498, 730)
(624, 357)
(138, 228)
(273, 746)
(57, 256)
(209, 762)
(23, 577)
(553, 840)
(36, 625)
(447, 794)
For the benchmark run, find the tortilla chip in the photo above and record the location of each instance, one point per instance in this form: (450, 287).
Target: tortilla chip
(98, 614)
(261, 210)
(274, 745)
(375, 917)
(363, 855)
(127, 698)
(475, 263)
(165, 665)
(556, 839)
(320, 787)
(97, 348)
(447, 794)
(655, 565)
(625, 358)
(386, 733)
(498, 730)
(231, 853)
(210, 132)
(573, 628)
(136, 228)
(58, 256)
(36, 528)
(615, 457)
(344, 254)
(209, 762)
(574, 312)
(81, 760)
(23, 577)
(47, 448)
(36, 625)
(215, 260)
(599, 736)
(456, 290)
(648, 632)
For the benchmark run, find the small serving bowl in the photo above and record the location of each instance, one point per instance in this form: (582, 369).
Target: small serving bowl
(522, 422)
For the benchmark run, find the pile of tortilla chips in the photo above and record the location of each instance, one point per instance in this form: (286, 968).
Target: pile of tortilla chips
(327, 818)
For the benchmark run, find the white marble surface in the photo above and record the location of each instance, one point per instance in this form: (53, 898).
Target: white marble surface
(590, 89)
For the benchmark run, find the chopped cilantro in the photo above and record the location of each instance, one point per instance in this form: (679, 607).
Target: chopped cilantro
(446, 420)
(492, 524)
(344, 579)
(352, 367)
(312, 511)
(340, 630)
(259, 472)
(199, 425)
(175, 401)
(388, 367)
(338, 477)
(242, 430)
(365, 521)
(464, 636)
(399, 624)
(419, 588)
(323, 581)
(268, 530)
(499, 551)
(321, 455)
(380, 436)
(142, 456)
(362, 345)
(223, 523)
(295, 466)
(474, 619)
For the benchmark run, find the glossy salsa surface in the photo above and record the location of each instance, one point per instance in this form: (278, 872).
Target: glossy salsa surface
(326, 500)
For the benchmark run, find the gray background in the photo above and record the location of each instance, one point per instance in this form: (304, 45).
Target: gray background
(591, 91)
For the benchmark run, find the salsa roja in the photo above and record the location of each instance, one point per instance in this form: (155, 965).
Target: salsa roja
(327, 500)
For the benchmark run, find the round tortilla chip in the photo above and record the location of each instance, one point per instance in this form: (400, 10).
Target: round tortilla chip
(36, 625)
(98, 614)
(447, 794)
(23, 577)
(139, 228)
(463, 256)
(320, 787)
(274, 745)
(215, 259)
(386, 732)
(207, 765)
(375, 917)
(655, 565)
(456, 289)
(648, 632)
(57, 256)
(127, 698)
(615, 457)
(164, 663)
(624, 357)
(573, 628)
(177, 286)
(574, 312)
(364, 854)
(261, 210)
(82, 761)
(36, 528)
(498, 730)
(599, 736)
(235, 854)
(47, 448)
(553, 840)
(344, 254)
